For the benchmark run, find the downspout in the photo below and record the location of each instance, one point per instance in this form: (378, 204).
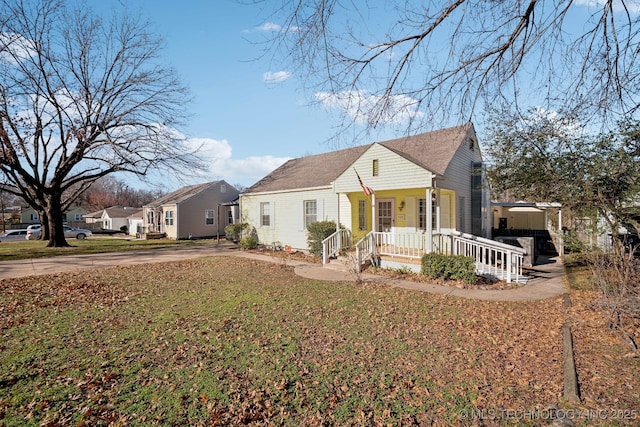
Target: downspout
(560, 233)
(218, 221)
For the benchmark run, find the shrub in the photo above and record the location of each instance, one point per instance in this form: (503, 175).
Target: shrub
(318, 231)
(234, 231)
(248, 243)
(446, 267)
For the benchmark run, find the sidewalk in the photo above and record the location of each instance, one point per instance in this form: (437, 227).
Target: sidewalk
(547, 282)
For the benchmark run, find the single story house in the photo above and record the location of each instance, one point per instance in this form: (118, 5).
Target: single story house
(73, 216)
(427, 183)
(116, 217)
(195, 211)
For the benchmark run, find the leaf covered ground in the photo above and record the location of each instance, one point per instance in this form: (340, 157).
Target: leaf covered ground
(229, 341)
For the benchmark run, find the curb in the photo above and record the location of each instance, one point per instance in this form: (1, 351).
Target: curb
(571, 392)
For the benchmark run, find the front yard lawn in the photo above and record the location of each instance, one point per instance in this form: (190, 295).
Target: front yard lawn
(228, 341)
(93, 245)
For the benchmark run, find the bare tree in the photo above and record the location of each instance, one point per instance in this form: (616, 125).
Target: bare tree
(430, 60)
(110, 191)
(82, 97)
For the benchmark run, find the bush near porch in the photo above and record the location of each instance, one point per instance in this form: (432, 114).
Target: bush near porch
(318, 231)
(449, 267)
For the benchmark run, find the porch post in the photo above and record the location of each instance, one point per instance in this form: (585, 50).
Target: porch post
(373, 212)
(429, 223)
(560, 233)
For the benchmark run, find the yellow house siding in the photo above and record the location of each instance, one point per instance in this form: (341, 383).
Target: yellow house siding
(406, 209)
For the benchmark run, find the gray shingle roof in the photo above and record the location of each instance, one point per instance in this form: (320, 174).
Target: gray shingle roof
(121, 211)
(308, 172)
(181, 194)
(432, 151)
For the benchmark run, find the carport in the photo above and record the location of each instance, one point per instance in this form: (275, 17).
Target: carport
(541, 221)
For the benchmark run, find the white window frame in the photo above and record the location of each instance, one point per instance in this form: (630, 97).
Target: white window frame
(362, 215)
(209, 217)
(168, 218)
(310, 212)
(265, 214)
(422, 214)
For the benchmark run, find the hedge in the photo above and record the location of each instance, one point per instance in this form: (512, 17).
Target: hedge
(449, 267)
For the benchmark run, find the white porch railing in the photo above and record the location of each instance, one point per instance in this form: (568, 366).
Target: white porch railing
(492, 258)
(335, 243)
(365, 250)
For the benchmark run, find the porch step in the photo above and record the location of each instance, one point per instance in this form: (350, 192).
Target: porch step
(341, 263)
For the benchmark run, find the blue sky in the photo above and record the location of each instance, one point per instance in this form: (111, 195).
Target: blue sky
(250, 113)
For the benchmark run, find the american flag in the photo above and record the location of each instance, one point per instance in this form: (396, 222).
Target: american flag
(367, 190)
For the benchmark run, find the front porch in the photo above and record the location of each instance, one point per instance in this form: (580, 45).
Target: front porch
(394, 250)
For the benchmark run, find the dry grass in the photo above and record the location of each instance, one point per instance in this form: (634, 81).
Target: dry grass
(228, 341)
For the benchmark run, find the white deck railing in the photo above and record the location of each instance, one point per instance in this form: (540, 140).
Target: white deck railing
(335, 243)
(492, 258)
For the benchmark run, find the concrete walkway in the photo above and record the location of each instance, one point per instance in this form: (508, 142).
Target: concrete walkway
(547, 282)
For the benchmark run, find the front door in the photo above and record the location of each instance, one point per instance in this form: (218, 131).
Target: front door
(385, 215)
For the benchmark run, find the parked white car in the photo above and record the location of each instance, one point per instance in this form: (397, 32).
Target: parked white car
(69, 232)
(13, 235)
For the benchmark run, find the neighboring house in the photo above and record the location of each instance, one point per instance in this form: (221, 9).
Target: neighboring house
(29, 216)
(116, 217)
(196, 211)
(427, 183)
(72, 216)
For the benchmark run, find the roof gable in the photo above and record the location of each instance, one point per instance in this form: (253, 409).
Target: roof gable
(182, 194)
(432, 151)
(118, 211)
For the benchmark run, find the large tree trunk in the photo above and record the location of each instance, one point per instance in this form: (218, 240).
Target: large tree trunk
(54, 217)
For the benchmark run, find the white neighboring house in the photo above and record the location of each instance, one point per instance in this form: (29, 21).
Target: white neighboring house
(115, 217)
(427, 183)
(195, 211)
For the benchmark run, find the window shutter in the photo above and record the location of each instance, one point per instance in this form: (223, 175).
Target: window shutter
(320, 207)
(301, 215)
(259, 215)
(410, 211)
(445, 211)
(273, 215)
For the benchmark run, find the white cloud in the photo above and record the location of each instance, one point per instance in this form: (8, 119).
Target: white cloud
(14, 48)
(275, 77)
(364, 108)
(218, 154)
(270, 26)
(618, 5)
